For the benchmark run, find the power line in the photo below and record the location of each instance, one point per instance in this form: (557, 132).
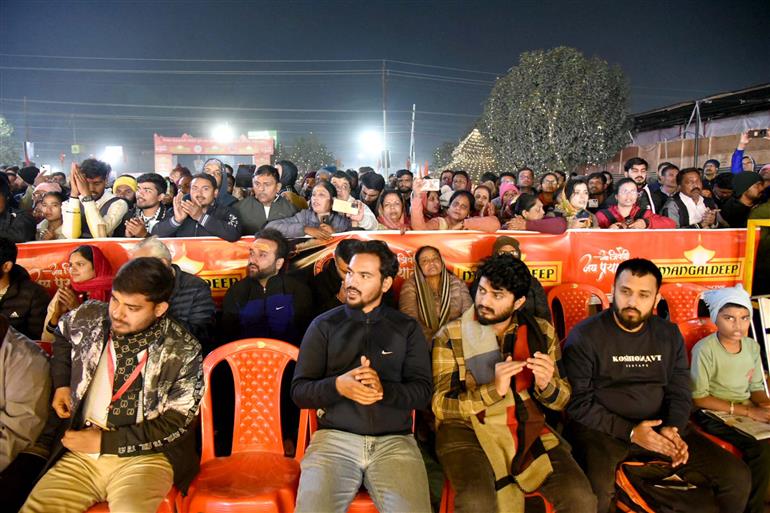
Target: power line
(249, 109)
(330, 72)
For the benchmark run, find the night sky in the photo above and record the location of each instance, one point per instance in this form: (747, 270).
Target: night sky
(113, 73)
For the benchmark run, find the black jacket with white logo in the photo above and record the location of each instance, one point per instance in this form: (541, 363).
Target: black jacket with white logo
(334, 344)
(619, 379)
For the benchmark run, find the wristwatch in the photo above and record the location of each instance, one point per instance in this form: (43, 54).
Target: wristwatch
(85, 198)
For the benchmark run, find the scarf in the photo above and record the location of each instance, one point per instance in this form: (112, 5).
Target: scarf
(426, 302)
(100, 286)
(401, 224)
(129, 350)
(512, 432)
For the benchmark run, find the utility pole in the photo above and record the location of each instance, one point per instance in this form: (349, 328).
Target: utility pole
(385, 153)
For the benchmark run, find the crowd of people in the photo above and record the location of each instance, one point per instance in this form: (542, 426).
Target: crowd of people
(37, 206)
(435, 379)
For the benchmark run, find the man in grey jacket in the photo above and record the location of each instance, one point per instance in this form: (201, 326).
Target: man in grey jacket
(266, 205)
(25, 388)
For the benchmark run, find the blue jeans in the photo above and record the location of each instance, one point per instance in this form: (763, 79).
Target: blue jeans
(337, 462)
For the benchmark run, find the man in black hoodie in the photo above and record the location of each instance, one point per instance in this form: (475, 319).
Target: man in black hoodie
(22, 301)
(364, 367)
(631, 395)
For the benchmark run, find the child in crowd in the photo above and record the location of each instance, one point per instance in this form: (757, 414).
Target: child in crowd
(727, 376)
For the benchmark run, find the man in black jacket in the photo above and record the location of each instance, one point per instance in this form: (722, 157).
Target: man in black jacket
(22, 301)
(15, 225)
(202, 215)
(364, 367)
(191, 303)
(268, 302)
(631, 395)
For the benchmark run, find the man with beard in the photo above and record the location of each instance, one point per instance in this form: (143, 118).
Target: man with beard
(142, 219)
(128, 381)
(636, 170)
(710, 171)
(15, 225)
(92, 211)
(631, 395)
(22, 301)
(268, 302)
(491, 431)
(372, 185)
(202, 215)
(266, 205)
(688, 208)
(364, 366)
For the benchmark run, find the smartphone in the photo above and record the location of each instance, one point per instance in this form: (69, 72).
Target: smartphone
(758, 133)
(431, 184)
(593, 203)
(583, 214)
(343, 207)
(244, 175)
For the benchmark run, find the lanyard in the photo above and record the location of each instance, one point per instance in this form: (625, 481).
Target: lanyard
(111, 370)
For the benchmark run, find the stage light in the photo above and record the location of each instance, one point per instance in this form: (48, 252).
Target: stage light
(223, 133)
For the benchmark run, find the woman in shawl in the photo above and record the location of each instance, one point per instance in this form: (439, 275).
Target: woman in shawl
(572, 205)
(391, 211)
(90, 278)
(433, 295)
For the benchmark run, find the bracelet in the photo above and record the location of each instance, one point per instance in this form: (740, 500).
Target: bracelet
(732, 408)
(631, 436)
(50, 327)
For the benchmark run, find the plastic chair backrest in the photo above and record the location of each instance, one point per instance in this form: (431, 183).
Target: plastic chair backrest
(257, 365)
(694, 330)
(575, 301)
(682, 300)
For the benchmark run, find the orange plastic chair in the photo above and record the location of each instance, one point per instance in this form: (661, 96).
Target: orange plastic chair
(693, 330)
(256, 477)
(448, 500)
(575, 301)
(682, 300)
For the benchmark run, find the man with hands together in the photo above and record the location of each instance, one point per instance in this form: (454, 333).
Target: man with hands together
(631, 397)
(364, 367)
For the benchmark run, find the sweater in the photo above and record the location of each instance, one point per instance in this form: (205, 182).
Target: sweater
(334, 344)
(620, 379)
(294, 227)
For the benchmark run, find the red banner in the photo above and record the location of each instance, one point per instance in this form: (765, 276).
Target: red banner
(713, 258)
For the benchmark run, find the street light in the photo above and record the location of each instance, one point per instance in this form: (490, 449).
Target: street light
(371, 142)
(112, 155)
(223, 133)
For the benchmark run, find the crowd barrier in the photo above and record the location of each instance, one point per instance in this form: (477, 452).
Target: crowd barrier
(713, 258)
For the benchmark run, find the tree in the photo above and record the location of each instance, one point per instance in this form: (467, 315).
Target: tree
(556, 110)
(442, 155)
(10, 150)
(308, 153)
